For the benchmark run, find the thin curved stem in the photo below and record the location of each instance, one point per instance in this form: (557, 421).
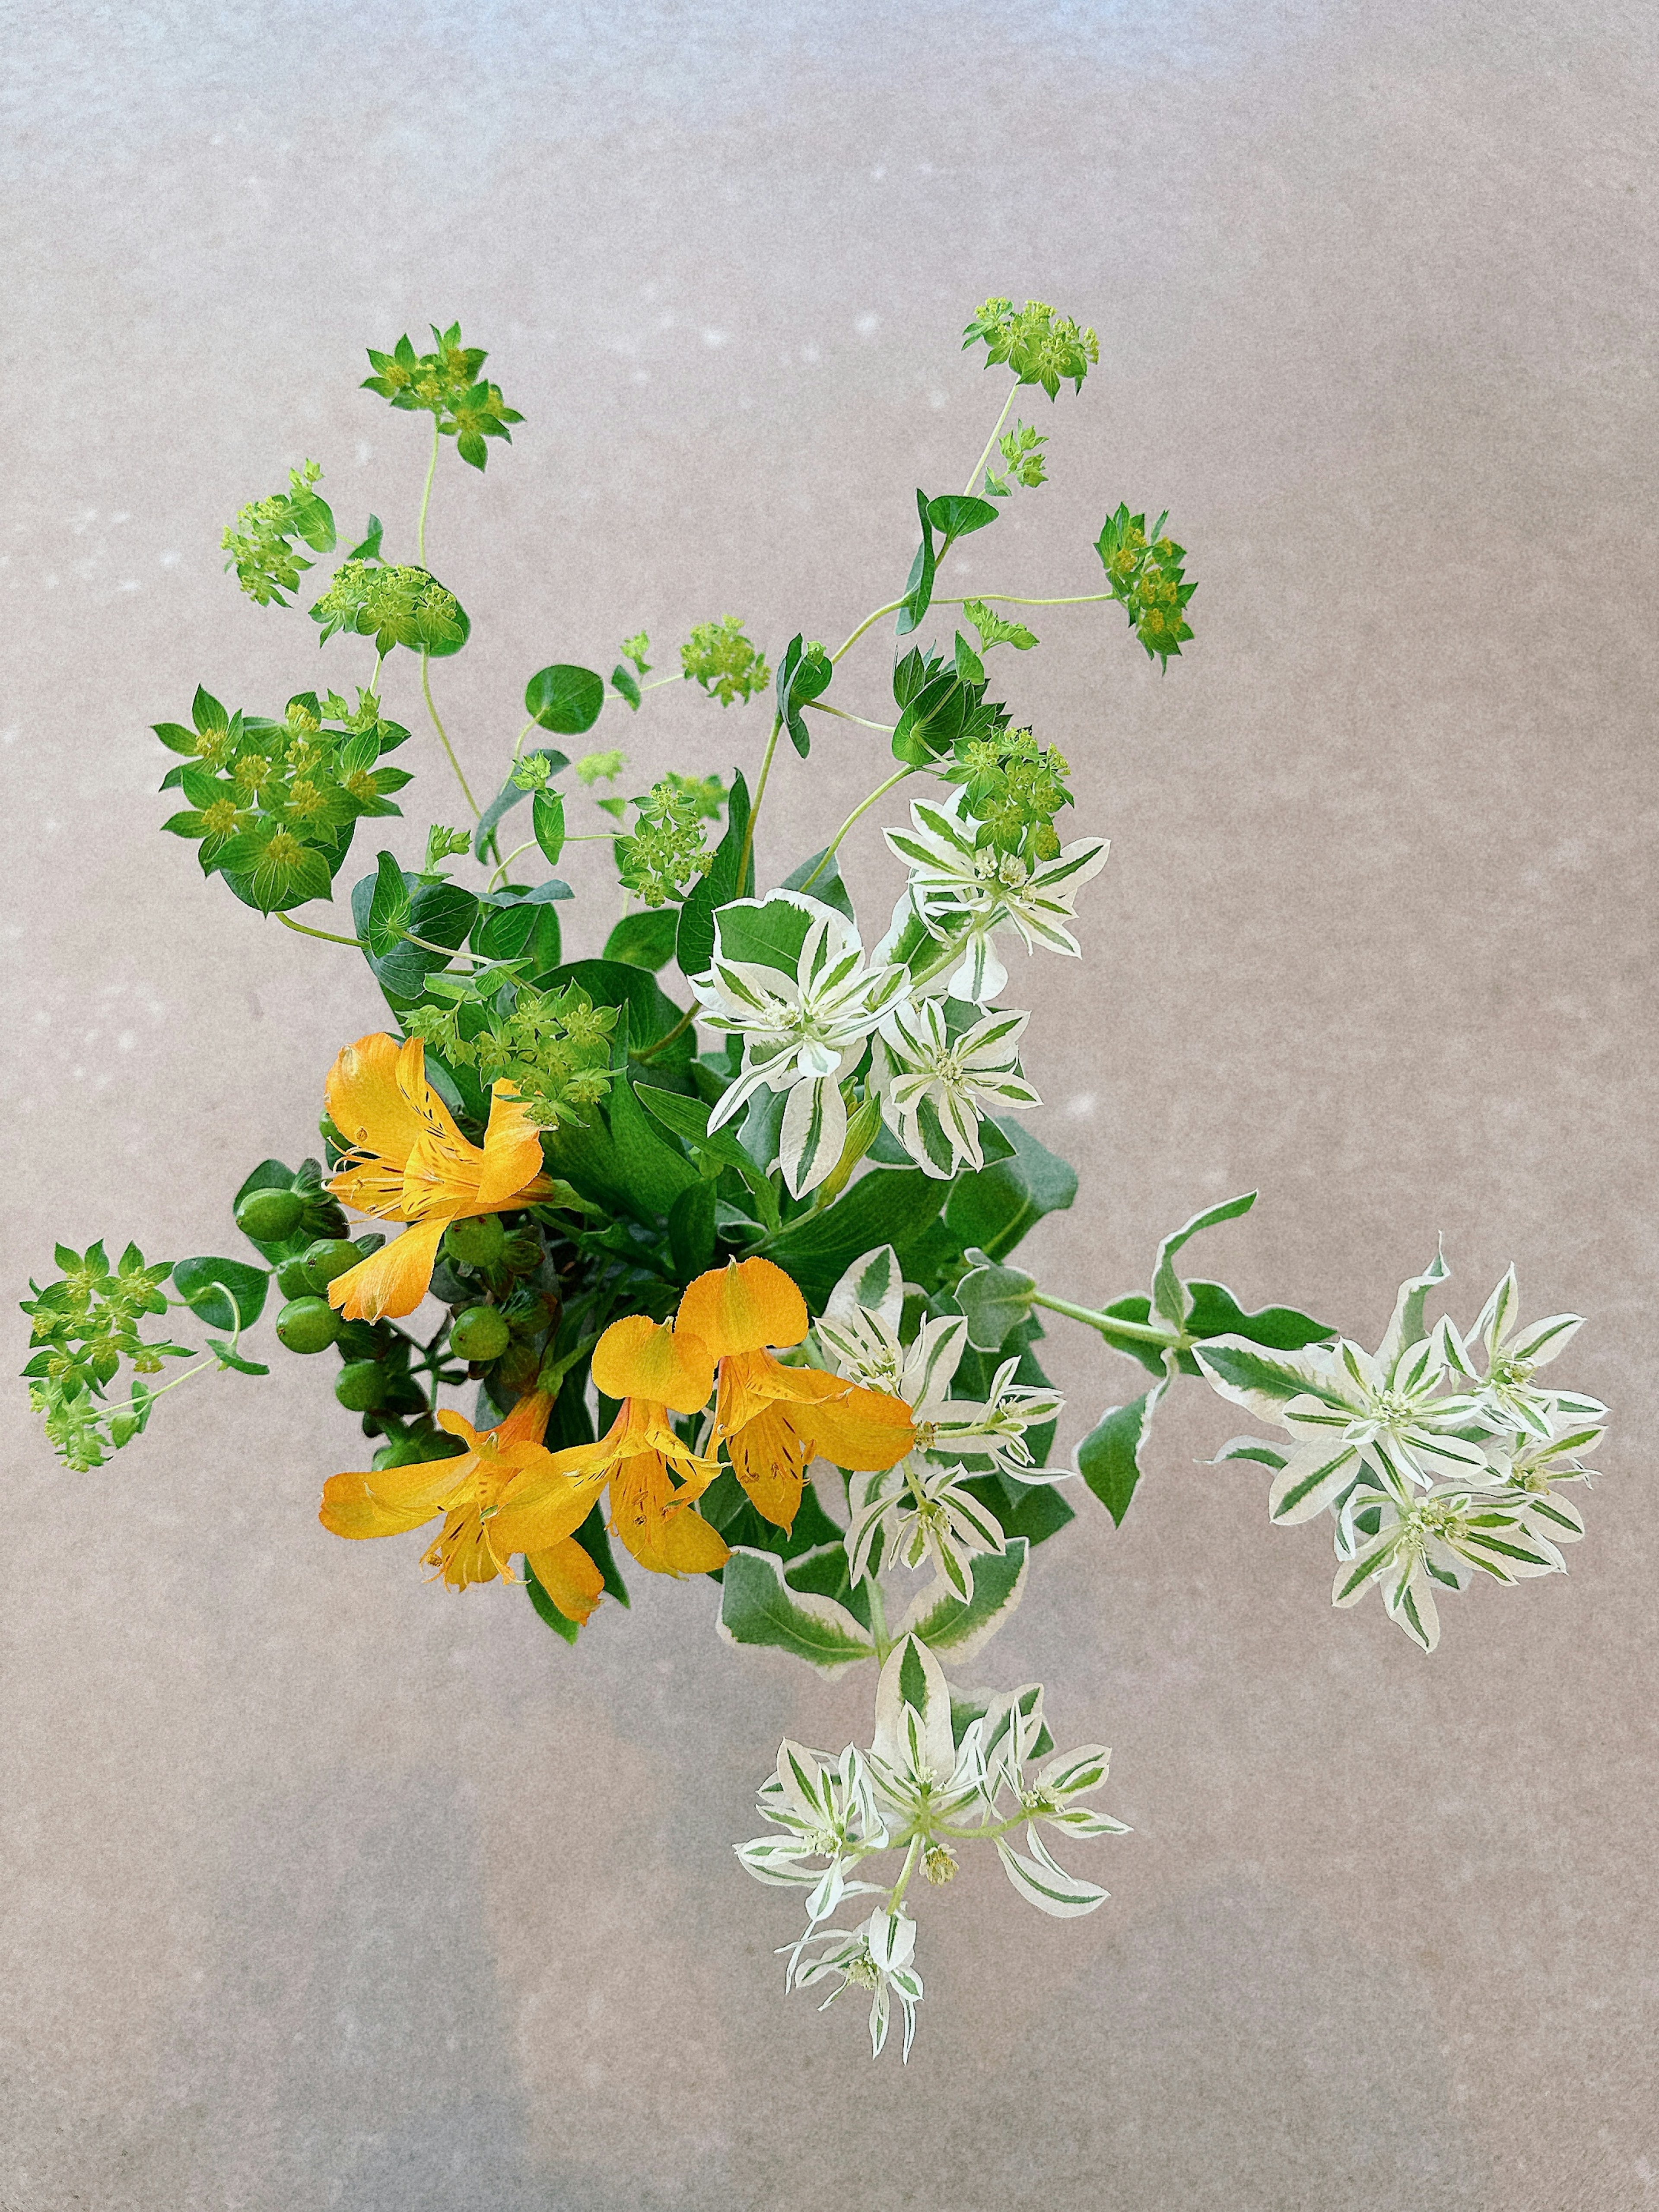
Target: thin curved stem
(1012, 395)
(863, 807)
(1014, 600)
(426, 496)
(663, 1042)
(891, 608)
(329, 936)
(375, 680)
(822, 707)
(754, 812)
(426, 686)
(501, 871)
(1108, 1325)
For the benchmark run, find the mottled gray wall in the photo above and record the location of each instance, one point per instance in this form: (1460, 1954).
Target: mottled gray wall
(326, 1888)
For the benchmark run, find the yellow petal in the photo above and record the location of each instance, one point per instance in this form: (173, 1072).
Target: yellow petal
(744, 1306)
(768, 1457)
(425, 1485)
(657, 1525)
(420, 1097)
(569, 1577)
(863, 1430)
(348, 1510)
(552, 1501)
(639, 1357)
(511, 1149)
(527, 1423)
(371, 1186)
(392, 1281)
(366, 1103)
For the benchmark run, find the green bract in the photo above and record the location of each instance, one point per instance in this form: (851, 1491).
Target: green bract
(1038, 346)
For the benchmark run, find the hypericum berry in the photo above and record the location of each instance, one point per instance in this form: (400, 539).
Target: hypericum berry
(267, 1216)
(479, 1333)
(476, 1243)
(293, 1278)
(361, 1385)
(307, 1324)
(328, 1257)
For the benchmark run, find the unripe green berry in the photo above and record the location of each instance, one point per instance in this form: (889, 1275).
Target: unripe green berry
(477, 1244)
(413, 1451)
(328, 1257)
(479, 1333)
(361, 1385)
(267, 1216)
(293, 1278)
(307, 1324)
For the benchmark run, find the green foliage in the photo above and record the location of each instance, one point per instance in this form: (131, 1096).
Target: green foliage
(555, 1045)
(1022, 458)
(260, 540)
(666, 854)
(394, 606)
(446, 383)
(223, 1293)
(1038, 346)
(1015, 787)
(1148, 581)
(993, 630)
(82, 1325)
(942, 706)
(273, 805)
(564, 698)
(995, 1207)
(600, 768)
(718, 656)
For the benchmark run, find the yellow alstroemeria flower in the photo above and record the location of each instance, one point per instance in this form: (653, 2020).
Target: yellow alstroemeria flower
(655, 1371)
(774, 1420)
(408, 1162)
(477, 1493)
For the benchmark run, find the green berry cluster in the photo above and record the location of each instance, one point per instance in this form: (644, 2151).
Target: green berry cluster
(273, 804)
(555, 1045)
(1014, 786)
(394, 606)
(1038, 346)
(259, 541)
(722, 659)
(446, 383)
(1148, 579)
(666, 856)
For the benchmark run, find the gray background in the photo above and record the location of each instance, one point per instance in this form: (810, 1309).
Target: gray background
(325, 1887)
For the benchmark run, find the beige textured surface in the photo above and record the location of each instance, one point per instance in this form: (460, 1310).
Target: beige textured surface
(324, 1888)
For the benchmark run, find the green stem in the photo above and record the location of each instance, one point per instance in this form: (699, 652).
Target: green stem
(863, 807)
(375, 680)
(518, 742)
(443, 734)
(891, 608)
(1012, 395)
(329, 936)
(426, 496)
(1108, 1326)
(910, 1867)
(1013, 599)
(663, 1042)
(822, 707)
(501, 871)
(754, 812)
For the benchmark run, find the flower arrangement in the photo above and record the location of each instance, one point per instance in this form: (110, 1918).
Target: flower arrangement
(734, 1197)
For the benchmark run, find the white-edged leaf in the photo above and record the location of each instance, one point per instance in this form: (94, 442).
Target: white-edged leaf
(960, 1626)
(758, 1607)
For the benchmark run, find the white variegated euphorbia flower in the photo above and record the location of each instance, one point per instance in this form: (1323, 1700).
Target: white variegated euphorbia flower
(804, 1002)
(927, 1791)
(934, 1087)
(1432, 1469)
(964, 893)
(922, 1507)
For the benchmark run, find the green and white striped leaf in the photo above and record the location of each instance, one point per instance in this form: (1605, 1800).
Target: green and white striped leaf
(961, 1627)
(757, 1606)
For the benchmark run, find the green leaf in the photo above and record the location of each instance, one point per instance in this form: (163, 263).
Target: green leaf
(389, 910)
(1169, 1297)
(918, 587)
(995, 1300)
(691, 1229)
(509, 796)
(1245, 1370)
(442, 913)
(957, 1628)
(209, 1287)
(804, 673)
(645, 939)
(694, 948)
(655, 1173)
(826, 883)
(757, 1606)
(626, 684)
(1108, 1457)
(369, 550)
(651, 1013)
(1215, 1311)
(994, 1206)
(888, 1205)
(770, 934)
(227, 1358)
(547, 820)
(175, 737)
(564, 698)
(956, 513)
(1034, 1511)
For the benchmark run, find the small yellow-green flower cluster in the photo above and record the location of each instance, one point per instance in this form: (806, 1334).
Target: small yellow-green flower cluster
(666, 854)
(722, 659)
(446, 383)
(555, 1045)
(1014, 786)
(1146, 573)
(259, 543)
(1038, 346)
